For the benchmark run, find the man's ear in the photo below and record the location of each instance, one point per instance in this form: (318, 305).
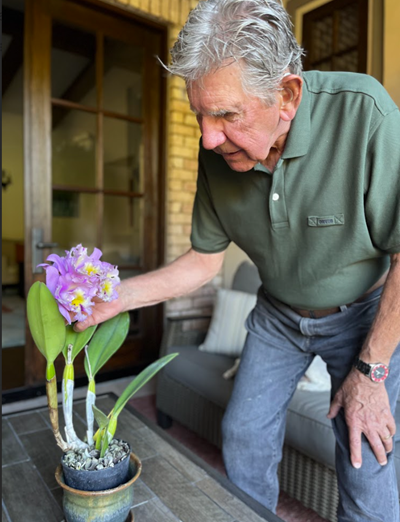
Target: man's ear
(290, 96)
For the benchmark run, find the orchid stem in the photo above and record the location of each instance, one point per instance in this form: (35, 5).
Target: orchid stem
(51, 391)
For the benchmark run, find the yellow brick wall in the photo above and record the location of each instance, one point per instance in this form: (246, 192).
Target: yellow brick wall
(182, 149)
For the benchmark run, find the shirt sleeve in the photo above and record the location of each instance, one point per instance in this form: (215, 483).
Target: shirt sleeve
(208, 235)
(382, 197)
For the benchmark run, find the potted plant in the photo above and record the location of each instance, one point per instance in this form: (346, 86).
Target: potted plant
(96, 474)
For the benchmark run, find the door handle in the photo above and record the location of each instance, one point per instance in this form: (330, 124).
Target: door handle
(42, 244)
(37, 249)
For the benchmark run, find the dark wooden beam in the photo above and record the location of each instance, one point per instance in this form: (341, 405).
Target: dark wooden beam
(12, 62)
(13, 25)
(12, 22)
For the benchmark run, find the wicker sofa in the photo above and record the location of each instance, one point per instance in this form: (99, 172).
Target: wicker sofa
(192, 391)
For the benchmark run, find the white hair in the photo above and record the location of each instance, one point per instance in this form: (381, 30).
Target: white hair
(257, 34)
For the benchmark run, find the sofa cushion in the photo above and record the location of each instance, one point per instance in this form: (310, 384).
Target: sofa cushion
(307, 428)
(202, 373)
(227, 332)
(246, 278)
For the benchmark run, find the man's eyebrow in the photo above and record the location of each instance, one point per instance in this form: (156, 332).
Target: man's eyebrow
(220, 112)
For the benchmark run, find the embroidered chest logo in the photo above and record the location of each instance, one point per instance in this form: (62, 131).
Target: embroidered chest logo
(325, 221)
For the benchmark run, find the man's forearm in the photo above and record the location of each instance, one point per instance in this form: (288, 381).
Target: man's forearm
(384, 335)
(182, 276)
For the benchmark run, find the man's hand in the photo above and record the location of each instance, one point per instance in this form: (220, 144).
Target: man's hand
(367, 411)
(102, 311)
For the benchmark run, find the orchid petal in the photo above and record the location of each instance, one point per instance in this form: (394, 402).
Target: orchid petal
(58, 262)
(52, 278)
(64, 313)
(96, 255)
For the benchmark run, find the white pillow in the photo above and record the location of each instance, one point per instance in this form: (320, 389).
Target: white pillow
(316, 377)
(227, 333)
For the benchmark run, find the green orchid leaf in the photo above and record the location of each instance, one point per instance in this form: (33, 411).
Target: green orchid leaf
(101, 418)
(106, 341)
(78, 340)
(139, 381)
(105, 441)
(46, 324)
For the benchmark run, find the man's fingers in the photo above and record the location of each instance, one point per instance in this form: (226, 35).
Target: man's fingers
(387, 439)
(388, 444)
(82, 325)
(391, 426)
(378, 447)
(355, 446)
(334, 409)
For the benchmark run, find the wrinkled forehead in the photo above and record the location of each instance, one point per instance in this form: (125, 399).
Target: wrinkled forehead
(217, 95)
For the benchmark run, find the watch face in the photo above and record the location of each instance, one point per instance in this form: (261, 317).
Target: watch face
(379, 373)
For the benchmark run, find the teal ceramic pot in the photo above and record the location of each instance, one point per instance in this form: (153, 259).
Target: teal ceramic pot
(110, 505)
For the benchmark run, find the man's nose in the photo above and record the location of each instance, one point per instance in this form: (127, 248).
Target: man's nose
(212, 134)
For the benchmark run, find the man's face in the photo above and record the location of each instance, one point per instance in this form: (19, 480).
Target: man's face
(239, 127)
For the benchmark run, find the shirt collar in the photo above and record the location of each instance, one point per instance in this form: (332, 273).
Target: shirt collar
(298, 140)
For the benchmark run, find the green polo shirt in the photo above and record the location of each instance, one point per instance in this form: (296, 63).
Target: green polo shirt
(320, 228)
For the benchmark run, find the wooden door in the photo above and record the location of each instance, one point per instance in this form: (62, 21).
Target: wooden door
(93, 152)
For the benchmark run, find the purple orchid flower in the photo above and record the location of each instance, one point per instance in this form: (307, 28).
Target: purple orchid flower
(76, 279)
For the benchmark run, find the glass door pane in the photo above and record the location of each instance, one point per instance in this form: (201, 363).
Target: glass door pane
(74, 220)
(123, 78)
(73, 65)
(73, 148)
(123, 155)
(123, 231)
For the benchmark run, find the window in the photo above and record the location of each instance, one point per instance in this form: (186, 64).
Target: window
(335, 36)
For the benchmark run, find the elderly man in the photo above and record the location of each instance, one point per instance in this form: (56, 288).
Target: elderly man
(302, 171)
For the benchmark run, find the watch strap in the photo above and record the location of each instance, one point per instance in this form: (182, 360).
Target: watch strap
(362, 366)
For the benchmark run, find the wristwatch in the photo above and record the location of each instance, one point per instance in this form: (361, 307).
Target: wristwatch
(377, 372)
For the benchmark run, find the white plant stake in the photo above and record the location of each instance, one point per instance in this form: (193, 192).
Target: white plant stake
(67, 400)
(90, 401)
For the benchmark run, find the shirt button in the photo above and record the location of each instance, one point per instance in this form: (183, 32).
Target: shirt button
(275, 197)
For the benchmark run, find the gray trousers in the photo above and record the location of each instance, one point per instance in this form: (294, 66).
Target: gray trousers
(279, 348)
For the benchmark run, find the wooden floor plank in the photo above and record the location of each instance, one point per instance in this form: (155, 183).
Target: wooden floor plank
(58, 496)
(184, 499)
(4, 516)
(141, 493)
(27, 422)
(26, 497)
(139, 445)
(11, 450)
(190, 470)
(227, 501)
(153, 511)
(45, 454)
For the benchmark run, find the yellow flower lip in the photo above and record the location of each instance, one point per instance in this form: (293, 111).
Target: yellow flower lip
(107, 287)
(90, 269)
(79, 298)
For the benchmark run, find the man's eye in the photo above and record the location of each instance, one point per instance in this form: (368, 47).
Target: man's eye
(230, 116)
